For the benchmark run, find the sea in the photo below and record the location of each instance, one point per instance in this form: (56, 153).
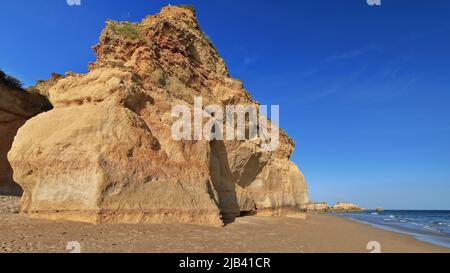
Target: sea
(432, 226)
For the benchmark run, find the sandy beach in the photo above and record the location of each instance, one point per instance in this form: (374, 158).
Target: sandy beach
(252, 234)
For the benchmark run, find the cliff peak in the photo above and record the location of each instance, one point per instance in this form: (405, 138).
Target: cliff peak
(179, 10)
(170, 41)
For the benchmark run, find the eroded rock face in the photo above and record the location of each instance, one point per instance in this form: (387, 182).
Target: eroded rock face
(105, 153)
(16, 107)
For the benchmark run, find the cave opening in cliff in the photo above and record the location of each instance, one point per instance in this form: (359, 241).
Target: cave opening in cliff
(248, 213)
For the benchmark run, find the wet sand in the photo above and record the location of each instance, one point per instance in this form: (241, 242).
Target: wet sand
(252, 234)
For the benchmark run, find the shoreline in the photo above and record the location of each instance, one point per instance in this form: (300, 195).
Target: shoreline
(318, 233)
(435, 240)
(391, 241)
(250, 234)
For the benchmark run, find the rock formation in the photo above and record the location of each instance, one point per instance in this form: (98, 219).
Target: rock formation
(43, 87)
(105, 153)
(16, 107)
(346, 207)
(319, 207)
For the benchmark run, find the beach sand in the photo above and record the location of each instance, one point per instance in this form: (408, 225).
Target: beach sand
(252, 234)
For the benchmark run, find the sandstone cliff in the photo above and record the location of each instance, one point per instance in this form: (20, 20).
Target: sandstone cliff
(16, 107)
(105, 153)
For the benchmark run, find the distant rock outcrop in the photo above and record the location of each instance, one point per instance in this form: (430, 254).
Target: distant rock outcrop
(16, 107)
(346, 207)
(105, 153)
(320, 207)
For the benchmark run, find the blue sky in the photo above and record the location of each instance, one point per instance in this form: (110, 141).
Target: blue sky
(363, 90)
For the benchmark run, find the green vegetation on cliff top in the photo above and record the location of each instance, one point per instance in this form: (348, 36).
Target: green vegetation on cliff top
(189, 7)
(123, 30)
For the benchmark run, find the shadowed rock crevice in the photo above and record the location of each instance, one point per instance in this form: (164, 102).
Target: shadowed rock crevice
(16, 107)
(223, 182)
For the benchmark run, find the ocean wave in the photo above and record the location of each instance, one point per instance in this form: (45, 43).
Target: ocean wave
(429, 224)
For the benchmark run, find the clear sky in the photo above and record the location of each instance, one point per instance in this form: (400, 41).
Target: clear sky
(363, 90)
